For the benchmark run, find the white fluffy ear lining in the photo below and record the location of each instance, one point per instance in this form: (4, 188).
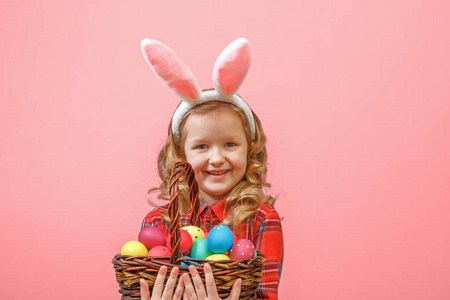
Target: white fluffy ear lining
(175, 74)
(231, 67)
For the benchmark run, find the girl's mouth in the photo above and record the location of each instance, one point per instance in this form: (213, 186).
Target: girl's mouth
(216, 172)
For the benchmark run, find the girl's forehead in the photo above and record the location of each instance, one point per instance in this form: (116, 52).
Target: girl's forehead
(216, 124)
(215, 116)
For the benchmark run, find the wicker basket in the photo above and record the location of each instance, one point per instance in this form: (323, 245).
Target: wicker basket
(130, 269)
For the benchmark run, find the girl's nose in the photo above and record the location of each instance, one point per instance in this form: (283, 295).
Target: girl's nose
(216, 157)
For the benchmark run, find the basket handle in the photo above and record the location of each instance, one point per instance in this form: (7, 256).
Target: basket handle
(178, 170)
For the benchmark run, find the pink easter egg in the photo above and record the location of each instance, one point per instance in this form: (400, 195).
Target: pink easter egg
(152, 236)
(159, 251)
(242, 249)
(186, 242)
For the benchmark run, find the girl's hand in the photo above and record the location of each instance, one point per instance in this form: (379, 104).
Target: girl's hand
(197, 292)
(158, 293)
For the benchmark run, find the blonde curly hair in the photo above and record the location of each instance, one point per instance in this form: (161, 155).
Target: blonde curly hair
(244, 199)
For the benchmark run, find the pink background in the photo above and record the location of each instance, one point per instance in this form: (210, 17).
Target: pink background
(353, 95)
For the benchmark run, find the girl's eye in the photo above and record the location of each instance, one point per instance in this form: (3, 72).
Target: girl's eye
(202, 146)
(230, 144)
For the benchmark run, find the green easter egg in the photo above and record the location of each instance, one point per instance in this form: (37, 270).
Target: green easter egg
(200, 249)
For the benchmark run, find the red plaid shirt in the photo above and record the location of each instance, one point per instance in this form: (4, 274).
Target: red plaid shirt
(264, 230)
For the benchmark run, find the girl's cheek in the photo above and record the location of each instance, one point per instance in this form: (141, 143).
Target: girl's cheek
(192, 161)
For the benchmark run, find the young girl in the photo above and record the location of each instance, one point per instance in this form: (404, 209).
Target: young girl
(220, 136)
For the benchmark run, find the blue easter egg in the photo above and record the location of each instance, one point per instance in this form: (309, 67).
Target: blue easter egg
(184, 265)
(220, 239)
(195, 264)
(200, 249)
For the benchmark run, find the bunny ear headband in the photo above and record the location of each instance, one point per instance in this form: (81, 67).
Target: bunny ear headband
(229, 72)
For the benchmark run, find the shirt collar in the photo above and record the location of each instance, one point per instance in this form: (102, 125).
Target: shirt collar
(217, 208)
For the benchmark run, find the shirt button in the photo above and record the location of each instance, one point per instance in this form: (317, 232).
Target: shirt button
(207, 225)
(206, 210)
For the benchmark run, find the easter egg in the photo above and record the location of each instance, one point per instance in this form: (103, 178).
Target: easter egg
(134, 248)
(218, 257)
(159, 251)
(152, 236)
(195, 232)
(220, 239)
(184, 265)
(200, 249)
(190, 262)
(185, 244)
(242, 249)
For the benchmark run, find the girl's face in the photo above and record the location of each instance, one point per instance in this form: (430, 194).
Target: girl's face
(216, 147)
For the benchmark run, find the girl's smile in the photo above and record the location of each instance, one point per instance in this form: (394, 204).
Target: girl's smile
(216, 147)
(216, 174)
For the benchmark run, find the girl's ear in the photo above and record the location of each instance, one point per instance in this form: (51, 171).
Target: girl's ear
(166, 65)
(231, 67)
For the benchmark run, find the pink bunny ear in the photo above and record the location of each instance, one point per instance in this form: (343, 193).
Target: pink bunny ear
(166, 65)
(231, 67)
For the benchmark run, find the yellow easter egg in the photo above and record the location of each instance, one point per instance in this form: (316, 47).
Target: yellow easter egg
(195, 232)
(134, 248)
(218, 257)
